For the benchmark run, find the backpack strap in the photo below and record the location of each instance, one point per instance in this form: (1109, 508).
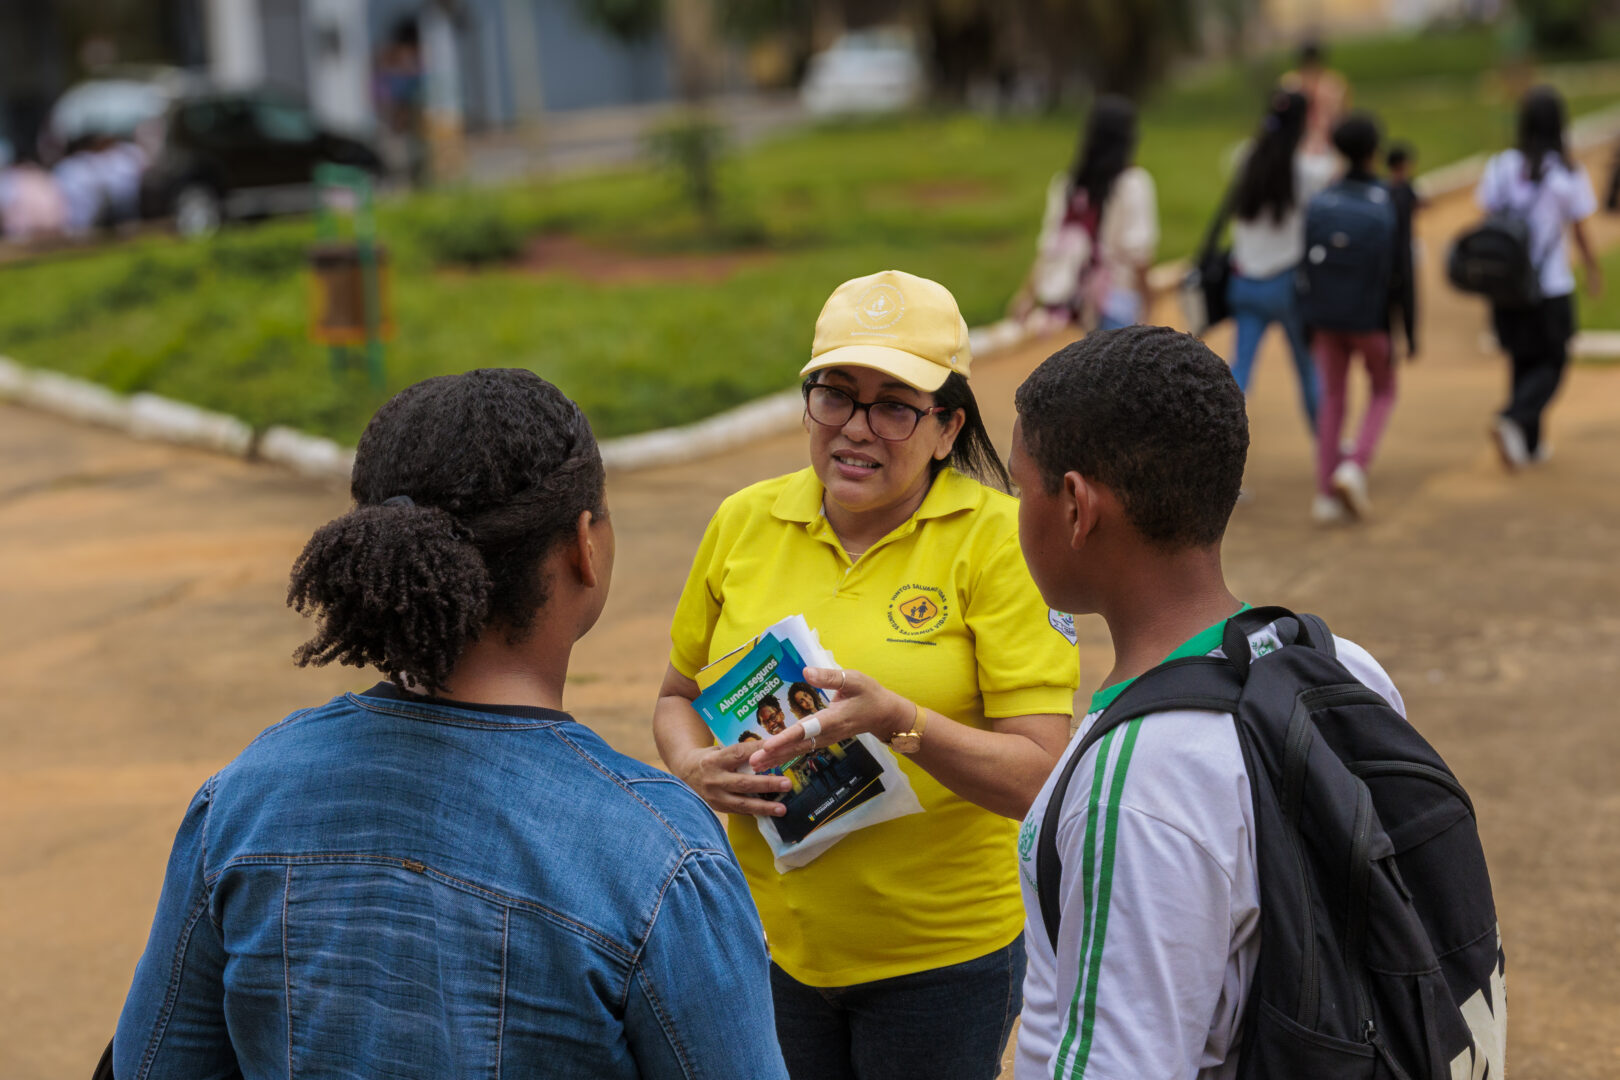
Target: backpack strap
(1205, 683)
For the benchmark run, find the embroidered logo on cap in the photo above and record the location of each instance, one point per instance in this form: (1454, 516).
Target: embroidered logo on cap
(880, 307)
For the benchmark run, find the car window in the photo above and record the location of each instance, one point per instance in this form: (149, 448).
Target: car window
(218, 121)
(283, 123)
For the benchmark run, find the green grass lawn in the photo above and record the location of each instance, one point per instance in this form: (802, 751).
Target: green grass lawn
(954, 197)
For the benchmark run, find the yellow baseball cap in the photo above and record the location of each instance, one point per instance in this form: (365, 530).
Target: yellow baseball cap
(896, 323)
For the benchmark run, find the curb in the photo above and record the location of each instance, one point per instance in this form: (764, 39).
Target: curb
(160, 419)
(148, 416)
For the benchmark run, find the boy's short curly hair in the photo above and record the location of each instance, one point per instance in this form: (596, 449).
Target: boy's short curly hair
(1153, 415)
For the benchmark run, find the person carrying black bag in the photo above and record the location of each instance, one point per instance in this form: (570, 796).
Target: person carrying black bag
(1538, 184)
(1247, 864)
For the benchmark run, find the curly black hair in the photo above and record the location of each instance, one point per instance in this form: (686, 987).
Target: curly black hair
(462, 484)
(1153, 415)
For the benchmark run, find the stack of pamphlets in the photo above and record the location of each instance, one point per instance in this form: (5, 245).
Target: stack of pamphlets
(837, 788)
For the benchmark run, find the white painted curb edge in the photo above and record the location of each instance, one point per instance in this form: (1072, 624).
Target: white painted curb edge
(148, 416)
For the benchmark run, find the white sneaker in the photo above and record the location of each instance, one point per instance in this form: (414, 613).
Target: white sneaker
(1329, 510)
(1350, 482)
(1543, 453)
(1510, 444)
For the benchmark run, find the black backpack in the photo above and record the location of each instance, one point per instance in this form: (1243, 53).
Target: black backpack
(1349, 257)
(1493, 259)
(1379, 950)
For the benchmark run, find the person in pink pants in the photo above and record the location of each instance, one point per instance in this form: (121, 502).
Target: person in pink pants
(1341, 479)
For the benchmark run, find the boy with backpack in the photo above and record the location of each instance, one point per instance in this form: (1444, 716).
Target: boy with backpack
(1350, 260)
(1209, 888)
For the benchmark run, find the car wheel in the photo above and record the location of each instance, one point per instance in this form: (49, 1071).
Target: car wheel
(196, 210)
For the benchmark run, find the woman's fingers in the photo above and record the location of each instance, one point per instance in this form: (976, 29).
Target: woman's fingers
(736, 804)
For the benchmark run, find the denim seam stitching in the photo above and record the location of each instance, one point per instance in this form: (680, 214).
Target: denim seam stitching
(286, 966)
(625, 786)
(344, 857)
(664, 1022)
(424, 712)
(500, 1017)
(176, 974)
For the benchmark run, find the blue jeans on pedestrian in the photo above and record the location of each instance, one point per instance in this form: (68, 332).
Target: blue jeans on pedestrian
(1256, 303)
(950, 1022)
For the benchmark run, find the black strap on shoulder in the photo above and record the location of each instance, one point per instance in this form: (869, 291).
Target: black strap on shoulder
(1194, 682)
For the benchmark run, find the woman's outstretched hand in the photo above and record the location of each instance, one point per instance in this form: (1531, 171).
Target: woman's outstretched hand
(859, 704)
(712, 772)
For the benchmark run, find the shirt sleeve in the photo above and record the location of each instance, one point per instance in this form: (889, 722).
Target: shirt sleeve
(699, 1004)
(699, 607)
(1578, 201)
(1026, 664)
(173, 1023)
(1146, 932)
(1138, 236)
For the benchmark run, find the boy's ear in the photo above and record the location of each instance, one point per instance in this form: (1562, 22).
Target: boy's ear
(1082, 507)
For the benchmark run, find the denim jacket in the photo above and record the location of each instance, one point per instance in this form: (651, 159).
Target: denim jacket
(394, 887)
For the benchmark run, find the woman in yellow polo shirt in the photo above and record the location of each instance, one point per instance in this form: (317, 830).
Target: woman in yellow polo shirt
(897, 952)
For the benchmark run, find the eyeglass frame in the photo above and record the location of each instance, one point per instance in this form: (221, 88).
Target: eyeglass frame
(858, 406)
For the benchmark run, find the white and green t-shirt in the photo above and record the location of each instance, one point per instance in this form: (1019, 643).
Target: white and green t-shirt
(1161, 907)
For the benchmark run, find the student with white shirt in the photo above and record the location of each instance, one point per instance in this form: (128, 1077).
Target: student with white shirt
(1274, 182)
(1129, 449)
(1099, 231)
(1538, 181)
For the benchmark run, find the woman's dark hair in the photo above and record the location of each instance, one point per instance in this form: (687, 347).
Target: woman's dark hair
(462, 484)
(1107, 149)
(1266, 183)
(973, 453)
(767, 702)
(1541, 129)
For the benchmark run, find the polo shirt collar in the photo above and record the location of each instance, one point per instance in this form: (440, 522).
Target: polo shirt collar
(950, 493)
(1202, 643)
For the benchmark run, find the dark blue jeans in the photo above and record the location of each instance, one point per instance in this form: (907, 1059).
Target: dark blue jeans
(950, 1023)
(1257, 303)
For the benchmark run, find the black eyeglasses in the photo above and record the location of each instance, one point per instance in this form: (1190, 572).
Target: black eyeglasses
(891, 421)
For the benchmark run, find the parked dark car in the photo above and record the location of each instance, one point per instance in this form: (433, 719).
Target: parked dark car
(238, 155)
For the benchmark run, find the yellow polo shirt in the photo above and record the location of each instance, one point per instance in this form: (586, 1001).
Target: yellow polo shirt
(943, 611)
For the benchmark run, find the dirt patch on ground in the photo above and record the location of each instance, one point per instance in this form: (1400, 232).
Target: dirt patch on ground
(577, 258)
(947, 192)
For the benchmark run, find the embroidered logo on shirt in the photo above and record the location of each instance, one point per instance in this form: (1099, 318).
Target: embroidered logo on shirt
(1026, 838)
(915, 610)
(1062, 622)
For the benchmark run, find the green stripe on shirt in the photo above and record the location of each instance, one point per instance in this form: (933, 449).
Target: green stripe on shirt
(1104, 895)
(1098, 771)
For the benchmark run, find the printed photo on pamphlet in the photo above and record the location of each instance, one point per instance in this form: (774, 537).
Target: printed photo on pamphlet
(835, 788)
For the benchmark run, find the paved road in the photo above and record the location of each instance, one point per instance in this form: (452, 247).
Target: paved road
(145, 641)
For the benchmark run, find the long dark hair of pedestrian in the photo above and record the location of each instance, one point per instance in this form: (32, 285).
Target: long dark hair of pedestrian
(1266, 184)
(462, 484)
(1107, 150)
(1541, 129)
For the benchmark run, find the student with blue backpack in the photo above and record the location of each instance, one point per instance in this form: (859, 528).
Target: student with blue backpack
(1247, 863)
(1350, 260)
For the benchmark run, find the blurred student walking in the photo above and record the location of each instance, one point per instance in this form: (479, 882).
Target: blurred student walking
(1100, 230)
(1274, 183)
(1537, 181)
(1351, 253)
